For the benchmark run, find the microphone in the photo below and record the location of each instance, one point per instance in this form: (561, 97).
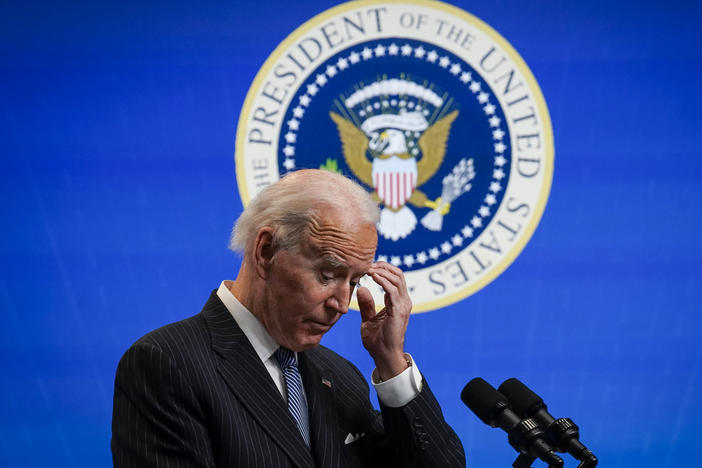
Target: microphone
(524, 435)
(562, 433)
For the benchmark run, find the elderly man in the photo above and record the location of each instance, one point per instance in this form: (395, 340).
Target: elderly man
(246, 383)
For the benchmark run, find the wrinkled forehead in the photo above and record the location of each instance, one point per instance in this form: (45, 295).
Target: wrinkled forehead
(350, 239)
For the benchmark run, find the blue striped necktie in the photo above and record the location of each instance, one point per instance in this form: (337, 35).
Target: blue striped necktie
(296, 400)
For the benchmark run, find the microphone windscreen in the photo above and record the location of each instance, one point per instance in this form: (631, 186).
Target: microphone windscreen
(524, 402)
(483, 400)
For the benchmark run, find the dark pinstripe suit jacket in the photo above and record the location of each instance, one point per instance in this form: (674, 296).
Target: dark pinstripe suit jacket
(195, 394)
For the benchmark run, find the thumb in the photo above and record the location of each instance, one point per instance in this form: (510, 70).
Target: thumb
(366, 304)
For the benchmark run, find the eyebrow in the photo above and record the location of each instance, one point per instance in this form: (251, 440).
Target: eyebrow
(333, 261)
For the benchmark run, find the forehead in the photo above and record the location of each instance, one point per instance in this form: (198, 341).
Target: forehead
(349, 240)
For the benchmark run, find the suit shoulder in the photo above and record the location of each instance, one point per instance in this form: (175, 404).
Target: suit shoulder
(178, 340)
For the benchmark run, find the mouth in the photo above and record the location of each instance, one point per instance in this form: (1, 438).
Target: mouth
(319, 327)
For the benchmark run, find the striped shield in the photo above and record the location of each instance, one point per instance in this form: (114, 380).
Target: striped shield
(394, 180)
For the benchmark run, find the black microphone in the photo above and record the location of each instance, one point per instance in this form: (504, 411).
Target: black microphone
(562, 433)
(524, 435)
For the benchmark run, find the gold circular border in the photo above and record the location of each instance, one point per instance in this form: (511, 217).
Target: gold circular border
(549, 154)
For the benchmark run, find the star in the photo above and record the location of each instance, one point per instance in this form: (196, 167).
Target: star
(393, 49)
(289, 151)
(484, 211)
(354, 57)
(495, 187)
(331, 70)
(422, 258)
(366, 53)
(500, 160)
(498, 134)
(293, 124)
(382, 258)
(465, 77)
(409, 260)
(406, 49)
(321, 80)
(342, 63)
(475, 86)
(498, 174)
(312, 89)
(289, 164)
(305, 100)
(298, 112)
(476, 222)
(467, 231)
(457, 240)
(380, 50)
(432, 56)
(483, 97)
(290, 137)
(489, 109)
(444, 62)
(395, 260)
(419, 52)
(446, 247)
(455, 69)
(434, 253)
(494, 121)
(500, 147)
(490, 199)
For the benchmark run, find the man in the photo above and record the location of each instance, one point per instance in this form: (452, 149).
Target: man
(246, 383)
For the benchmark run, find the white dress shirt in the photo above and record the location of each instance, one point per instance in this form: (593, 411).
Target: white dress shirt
(394, 392)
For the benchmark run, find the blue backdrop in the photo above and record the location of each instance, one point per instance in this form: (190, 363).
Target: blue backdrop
(118, 193)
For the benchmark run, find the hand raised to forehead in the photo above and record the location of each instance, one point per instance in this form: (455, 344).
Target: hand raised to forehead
(383, 333)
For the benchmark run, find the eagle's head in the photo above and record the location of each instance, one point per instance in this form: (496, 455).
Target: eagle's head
(390, 141)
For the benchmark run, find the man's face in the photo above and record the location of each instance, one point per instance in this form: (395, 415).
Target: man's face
(308, 291)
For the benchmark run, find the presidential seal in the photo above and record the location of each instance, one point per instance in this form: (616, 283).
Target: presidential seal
(429, 109)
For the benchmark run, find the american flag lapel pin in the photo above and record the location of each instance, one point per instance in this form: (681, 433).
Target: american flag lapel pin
(326, 382)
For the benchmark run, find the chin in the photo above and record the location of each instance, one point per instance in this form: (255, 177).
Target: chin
(306, 342)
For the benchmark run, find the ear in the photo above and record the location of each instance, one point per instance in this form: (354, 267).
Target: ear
(264, 250)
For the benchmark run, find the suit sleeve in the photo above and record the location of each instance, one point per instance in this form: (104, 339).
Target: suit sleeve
(413, 435)
(156, 419)
(422, 435)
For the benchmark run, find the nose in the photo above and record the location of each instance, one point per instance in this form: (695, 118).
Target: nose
(340, 298)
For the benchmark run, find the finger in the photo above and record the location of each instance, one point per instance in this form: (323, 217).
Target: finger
(397, 280)
(387, 266)
(393, 273)
(366, 304)
(384, 281)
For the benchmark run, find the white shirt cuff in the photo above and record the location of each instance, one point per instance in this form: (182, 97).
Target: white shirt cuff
(401, 389)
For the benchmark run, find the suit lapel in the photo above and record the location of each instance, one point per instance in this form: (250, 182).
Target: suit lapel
(324, 427)
(249, 380)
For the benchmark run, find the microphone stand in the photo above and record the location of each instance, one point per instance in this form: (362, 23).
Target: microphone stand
(526, 437)
(525, 461)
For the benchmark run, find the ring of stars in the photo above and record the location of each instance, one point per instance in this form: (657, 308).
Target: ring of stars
(354, 57)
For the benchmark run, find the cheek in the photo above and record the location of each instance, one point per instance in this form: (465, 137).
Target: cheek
(309, 296)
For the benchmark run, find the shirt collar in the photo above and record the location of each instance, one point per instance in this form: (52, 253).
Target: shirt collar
(262, 342)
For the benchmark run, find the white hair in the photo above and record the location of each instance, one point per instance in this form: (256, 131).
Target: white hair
(290, 205)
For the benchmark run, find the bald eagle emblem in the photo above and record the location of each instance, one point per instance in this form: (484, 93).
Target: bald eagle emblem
(394, 136)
